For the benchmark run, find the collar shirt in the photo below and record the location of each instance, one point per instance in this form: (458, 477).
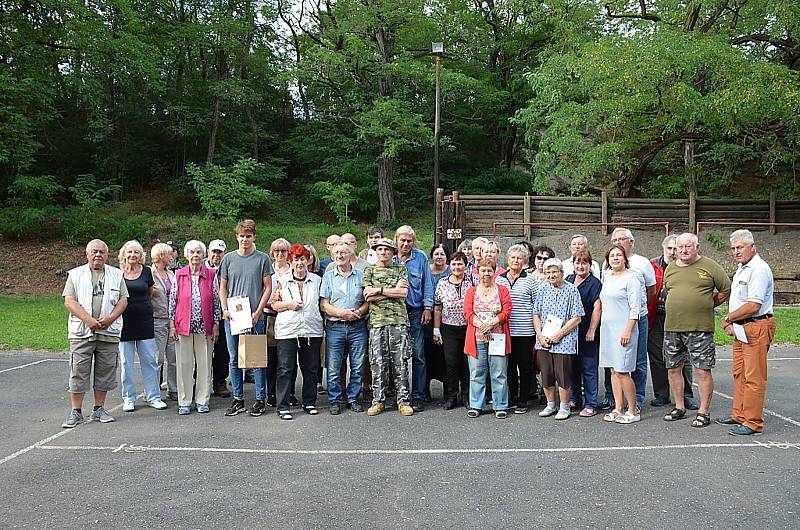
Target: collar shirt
(569, 267)
(420, 285)
(344, 292)
(753, 282)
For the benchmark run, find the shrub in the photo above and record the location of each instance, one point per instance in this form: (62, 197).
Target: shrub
(224, 192)
(29, 211)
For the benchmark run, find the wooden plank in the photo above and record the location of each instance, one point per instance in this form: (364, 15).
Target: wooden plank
(526, 216)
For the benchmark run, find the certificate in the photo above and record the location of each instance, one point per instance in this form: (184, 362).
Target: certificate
(241, 314)
(738, 331)
(497, 344)
(552, 325)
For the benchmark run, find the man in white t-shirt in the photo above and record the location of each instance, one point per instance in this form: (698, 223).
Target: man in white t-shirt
(577, 243)
(643, 269)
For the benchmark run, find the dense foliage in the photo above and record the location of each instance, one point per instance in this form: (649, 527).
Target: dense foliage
(208, 100)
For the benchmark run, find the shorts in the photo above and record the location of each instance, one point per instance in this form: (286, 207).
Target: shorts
(555, 368)
(82, 354)
(680, 347)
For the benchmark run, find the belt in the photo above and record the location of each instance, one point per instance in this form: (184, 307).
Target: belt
(752, 319)
(346, 322)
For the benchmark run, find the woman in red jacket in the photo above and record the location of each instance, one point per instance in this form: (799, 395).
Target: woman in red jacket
(487, 308)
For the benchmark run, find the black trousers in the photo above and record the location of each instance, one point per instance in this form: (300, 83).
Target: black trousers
(520, 370)
(220, 363)
(455, 362)
(658, 370)
(306, 349)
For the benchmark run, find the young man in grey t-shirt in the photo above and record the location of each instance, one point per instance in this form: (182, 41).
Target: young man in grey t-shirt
(245, 272)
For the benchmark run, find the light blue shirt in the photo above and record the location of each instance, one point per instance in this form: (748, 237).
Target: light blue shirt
(420, 283)
(344, 292)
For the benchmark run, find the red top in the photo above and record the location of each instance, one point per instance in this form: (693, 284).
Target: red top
(471, 346)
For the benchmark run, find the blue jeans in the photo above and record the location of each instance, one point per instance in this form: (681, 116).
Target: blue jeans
(148, 364)
(419, 377)
(237, 379)
(640, 375)
(345, 339)
(497, 366)
(584, 376)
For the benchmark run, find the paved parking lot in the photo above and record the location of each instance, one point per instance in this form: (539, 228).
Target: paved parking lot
(438, 468)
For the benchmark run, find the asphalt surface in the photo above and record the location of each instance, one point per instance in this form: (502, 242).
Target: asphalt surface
(436, 469)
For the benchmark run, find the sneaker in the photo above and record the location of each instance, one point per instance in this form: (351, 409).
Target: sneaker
(335, 409)
(405, 409)
(222, 390)
(605, 405)
(743, 430)
(473, 413)
(102, 416)
(355, 406)
(321, 390)
(376, 409)
(417, 405)
(521, 410)
(548, 411)
(285, 415)
(157, 404)
(311, 409)
(128, 406)
(183, 411)
(73, 419)
(501, 414)
(272, 401)
(202, 408)
(563, 414)
(237, 407)
(258, 407)
(293, 401)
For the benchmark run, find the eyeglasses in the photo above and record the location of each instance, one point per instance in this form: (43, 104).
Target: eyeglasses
(542, 257)
(618, 239)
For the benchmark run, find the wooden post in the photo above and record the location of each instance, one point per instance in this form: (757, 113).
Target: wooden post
(604, 212)
(772, 212)
(693, 212)
(526, 216)
(437, 217)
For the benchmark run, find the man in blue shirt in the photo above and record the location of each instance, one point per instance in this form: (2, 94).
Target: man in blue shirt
(342, 301)
(419, 304)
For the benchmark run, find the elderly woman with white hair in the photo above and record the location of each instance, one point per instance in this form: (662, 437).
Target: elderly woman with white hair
(557, 313)
(138, 330)
(163, 282)
(195, 312)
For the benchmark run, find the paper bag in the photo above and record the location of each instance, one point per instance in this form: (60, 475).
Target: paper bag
(252, 351)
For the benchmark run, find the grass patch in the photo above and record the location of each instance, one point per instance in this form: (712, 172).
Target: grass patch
(788, 330)
(37, 323)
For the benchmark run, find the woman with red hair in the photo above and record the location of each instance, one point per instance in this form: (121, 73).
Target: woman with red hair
(298, 330)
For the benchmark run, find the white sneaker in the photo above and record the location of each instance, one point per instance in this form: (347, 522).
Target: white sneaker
(548, 411)
(563, 414)
(127, 406)
(157, 404)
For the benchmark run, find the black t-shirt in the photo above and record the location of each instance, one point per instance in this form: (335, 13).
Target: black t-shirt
(137, 319)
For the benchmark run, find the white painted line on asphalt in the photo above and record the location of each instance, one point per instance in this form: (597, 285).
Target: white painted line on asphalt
(23, 366)
(145, 448)
(51, 438)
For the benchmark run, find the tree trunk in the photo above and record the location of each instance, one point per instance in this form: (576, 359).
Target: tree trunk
(386, 211)
(688, 162)
(212, 138)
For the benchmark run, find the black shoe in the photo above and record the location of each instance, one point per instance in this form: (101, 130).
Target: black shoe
(249, 378)
(417, 405)
(335, 409)
(726, 421)
(173, 396)
(236, 407)
(690, 404)
(258, 408)
(321, 390)
(605, 405)
(660, 402)
(355, 406)
(293, 401)
(272, 401)
(743, 430)
(450, 404)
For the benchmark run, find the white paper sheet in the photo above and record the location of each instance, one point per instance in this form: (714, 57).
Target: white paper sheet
(551, 325)
(497, 344)
(738, 331)
(241, 314)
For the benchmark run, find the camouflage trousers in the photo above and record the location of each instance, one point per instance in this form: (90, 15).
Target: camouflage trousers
(389, 352)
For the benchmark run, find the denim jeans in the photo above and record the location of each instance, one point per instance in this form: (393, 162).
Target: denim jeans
(640, 375)
(148, 365)
(583, 391)
(345, 339)
(496, 366)
(419, 378)
(237, 378)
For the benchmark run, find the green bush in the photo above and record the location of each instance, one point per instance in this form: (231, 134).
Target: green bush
(29, 211)
(225, 192)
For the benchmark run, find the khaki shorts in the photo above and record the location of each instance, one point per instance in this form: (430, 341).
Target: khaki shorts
(697, 347)
(105, 356)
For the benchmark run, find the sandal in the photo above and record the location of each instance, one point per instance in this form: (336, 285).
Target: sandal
(473, 413)
(612, 416)
(675, 415)
(587, 412)
(701, 420)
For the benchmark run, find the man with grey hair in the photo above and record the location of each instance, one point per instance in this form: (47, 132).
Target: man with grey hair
(751, 308)
(578, 242)
(695, 285)
(419, 304)
(656, 315)
(350, 240)
(95, 296)
(643, 269)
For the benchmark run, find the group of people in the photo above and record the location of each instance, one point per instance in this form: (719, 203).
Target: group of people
(392, 319)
